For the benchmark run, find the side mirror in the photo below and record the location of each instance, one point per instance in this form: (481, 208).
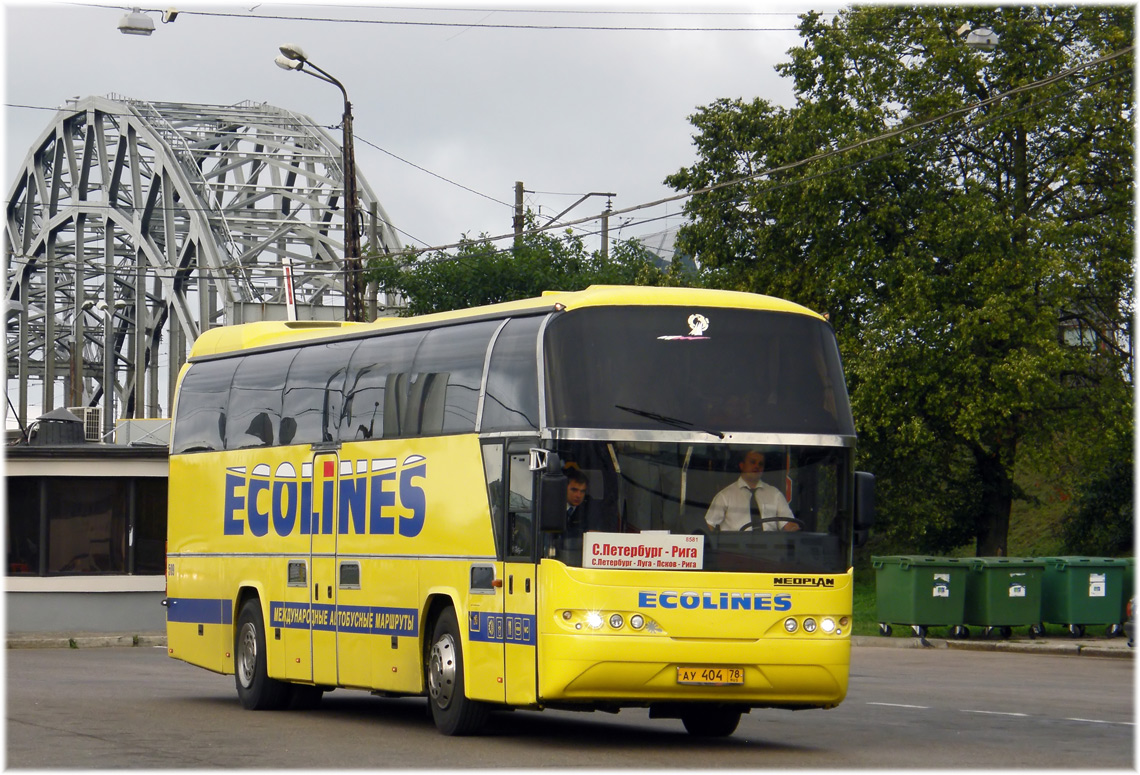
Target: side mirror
(864, 506)
(552, 502)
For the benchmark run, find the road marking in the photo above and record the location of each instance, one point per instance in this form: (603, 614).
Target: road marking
(1005, 713)
(1102, 721)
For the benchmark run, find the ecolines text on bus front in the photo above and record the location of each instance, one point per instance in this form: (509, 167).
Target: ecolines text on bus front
(723, 601)
(263, 499)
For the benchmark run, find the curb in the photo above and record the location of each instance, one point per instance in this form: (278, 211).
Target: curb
(85, 641)
(1104, 649)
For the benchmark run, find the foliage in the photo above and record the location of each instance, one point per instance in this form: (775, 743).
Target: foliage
(977, 269)
(1100, 522)
(479, 273)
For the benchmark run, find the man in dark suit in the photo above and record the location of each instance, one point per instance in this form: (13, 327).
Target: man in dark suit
(582, 514)
(577, 487)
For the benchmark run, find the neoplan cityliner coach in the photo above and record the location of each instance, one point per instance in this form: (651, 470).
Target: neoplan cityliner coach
(383, 506)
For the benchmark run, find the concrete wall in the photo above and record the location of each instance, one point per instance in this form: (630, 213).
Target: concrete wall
(119, 604)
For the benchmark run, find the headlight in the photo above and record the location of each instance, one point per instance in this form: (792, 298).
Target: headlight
(636, 621)
(616, 621)
(594, 620)
(827, 625)
(790, 625)
(809, 625)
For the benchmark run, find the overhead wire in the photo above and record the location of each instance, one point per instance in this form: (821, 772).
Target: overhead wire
(448, 24)
(901, 129)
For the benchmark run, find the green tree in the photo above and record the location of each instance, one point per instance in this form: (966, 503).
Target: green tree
(977, 268)
(480, 273)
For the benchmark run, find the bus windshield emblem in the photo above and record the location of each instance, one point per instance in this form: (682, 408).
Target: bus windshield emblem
(698, 324)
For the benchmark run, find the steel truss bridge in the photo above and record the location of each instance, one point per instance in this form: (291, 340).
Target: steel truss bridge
(133, 226)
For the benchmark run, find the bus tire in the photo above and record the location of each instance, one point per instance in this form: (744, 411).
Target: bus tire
(452, 711)
(256, 690)
(710, 722)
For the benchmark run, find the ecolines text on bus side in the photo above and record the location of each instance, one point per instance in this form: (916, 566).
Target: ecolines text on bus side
(263, 500)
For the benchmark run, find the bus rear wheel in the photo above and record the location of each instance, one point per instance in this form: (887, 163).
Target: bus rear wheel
(710, 722)
(256, 690)
(452, 711)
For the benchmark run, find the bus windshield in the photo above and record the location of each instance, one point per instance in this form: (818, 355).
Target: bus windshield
(688, 368)
(800, 522)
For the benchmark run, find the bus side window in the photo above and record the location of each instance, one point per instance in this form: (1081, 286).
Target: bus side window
(255, 400)
(493, 471)
(448, 374)
(520, 508)
(203, 400)
(511, 402)
(312, 399)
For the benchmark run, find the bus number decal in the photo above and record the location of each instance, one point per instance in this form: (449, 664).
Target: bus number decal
(501, 628)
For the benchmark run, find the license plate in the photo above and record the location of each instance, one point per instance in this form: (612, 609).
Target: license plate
(710, 676)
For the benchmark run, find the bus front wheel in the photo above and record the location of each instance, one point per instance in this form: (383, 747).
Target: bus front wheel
(256, 690)
(452, 711)
(711, 722)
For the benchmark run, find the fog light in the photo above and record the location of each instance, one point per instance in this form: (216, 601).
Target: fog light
(827, 625)
(594, 620)
(616, 621)
(790, 625)
(809, 625)
(636, 621)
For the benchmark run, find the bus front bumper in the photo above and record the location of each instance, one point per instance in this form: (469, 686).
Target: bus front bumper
(784, 672)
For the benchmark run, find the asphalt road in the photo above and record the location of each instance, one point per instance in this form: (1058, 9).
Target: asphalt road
(907, 708)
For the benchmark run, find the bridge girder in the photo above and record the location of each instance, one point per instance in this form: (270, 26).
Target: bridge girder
(132, 226)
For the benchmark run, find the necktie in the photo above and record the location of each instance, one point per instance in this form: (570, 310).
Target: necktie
(753, 506)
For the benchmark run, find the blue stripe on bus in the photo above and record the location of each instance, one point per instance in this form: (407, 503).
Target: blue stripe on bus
(195, 610)
(365, 620)
(514, 629)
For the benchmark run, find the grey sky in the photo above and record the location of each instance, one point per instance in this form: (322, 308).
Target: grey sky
(565, 111)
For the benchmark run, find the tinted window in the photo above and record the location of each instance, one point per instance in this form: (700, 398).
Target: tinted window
(313, 393)
(255, 400)
(511, 402)
(149, 522)
(87, 525)
(23, 520)
(200, 423)
(443, 396)
(376, 390)
(685, 368)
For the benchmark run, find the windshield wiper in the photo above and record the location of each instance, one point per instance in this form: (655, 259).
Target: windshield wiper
(661, 418)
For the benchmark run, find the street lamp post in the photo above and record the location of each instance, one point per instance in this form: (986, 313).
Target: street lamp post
(293, 58)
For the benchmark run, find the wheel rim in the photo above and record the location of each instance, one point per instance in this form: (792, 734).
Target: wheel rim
(246, 654)
(441, 671)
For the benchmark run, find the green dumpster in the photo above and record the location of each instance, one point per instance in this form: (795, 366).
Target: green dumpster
(921, 592)
(1004, 592)
(1079, 591)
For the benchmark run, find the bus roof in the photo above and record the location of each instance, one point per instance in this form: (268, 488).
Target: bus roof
(247, 336)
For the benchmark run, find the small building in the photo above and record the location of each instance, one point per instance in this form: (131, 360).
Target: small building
(85, 531)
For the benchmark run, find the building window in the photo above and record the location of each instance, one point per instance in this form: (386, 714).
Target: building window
(86, 525)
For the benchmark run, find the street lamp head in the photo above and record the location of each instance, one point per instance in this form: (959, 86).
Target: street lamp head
(980, 38)
(288, 64)
(136, 23)
(293, 51)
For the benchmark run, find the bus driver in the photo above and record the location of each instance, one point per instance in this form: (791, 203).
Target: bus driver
(748, 500)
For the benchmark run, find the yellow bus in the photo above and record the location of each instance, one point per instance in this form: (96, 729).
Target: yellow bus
(384, 506)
